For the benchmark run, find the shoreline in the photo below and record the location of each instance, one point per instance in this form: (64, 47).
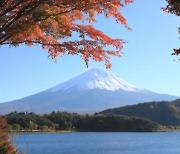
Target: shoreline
(40, 131)
(73, 131)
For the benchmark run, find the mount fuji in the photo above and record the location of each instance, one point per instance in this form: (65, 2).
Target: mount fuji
(92, 91)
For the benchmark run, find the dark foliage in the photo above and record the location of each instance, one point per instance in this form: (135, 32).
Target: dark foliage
(67, 121)
(165, 113)
(174, 8)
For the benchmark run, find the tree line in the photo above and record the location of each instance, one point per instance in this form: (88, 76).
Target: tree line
(57, 121)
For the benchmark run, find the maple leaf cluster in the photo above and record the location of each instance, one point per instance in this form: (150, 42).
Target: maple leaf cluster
(52, 22)
(5, 145)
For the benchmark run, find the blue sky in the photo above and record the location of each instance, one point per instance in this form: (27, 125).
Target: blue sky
(146, 62)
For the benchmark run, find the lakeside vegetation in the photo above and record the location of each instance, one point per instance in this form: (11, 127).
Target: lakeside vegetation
(144, 117)
(6, 147)
(60, 121)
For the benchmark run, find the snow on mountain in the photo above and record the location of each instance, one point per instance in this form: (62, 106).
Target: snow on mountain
(96, 79)
(92, 91)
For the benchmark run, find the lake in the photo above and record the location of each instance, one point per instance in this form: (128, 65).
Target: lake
(99, 143)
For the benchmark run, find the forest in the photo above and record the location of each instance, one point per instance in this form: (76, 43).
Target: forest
(162, 112)
(58, 121)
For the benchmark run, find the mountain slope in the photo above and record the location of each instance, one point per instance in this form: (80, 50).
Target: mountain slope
(92, 91)
(166, 113)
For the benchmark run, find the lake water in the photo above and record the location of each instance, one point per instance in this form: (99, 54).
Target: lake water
(99, 143)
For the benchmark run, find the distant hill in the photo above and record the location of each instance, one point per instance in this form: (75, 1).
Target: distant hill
(90, 92)
(165, 113)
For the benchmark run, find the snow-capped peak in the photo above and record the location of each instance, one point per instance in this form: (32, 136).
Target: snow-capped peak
(96, 79)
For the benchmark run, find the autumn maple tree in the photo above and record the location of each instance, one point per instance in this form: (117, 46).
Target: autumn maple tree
(174, 8)
(52, 23)
(5, 145)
